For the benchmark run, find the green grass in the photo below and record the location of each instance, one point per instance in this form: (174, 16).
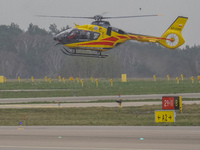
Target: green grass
(57, 89)
(97, 116)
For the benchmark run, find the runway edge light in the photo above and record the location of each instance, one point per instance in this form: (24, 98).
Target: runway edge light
(20, 127)
(119, 101)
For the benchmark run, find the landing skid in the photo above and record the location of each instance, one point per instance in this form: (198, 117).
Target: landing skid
(72, 52)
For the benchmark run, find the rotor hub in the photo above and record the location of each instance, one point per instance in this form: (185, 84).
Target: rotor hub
(98, 17)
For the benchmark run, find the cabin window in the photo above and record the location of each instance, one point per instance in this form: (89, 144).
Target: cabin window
(118, 30)
(121, 32)
(84, 35)
(96, 36)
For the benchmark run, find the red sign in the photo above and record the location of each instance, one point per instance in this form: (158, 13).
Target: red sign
(168, 102)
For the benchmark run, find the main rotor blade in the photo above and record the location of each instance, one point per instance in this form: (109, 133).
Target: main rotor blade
(98, 17)
(130, 16)
(65, 17)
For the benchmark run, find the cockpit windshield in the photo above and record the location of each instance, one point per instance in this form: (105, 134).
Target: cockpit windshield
(73, 35)
(63, 34)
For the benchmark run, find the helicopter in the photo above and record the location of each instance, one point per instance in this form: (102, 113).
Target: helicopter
(100, 36)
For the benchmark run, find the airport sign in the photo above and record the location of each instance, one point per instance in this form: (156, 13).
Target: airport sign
(172, 102)
(165, 115)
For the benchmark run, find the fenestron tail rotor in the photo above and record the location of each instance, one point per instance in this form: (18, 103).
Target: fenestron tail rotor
(172, 39)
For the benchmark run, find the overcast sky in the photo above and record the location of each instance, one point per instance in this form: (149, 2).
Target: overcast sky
(23, 13)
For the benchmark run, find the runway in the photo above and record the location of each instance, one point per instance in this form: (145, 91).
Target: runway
(81, 99)
(100, 138)
(70, 105)
(95, 98)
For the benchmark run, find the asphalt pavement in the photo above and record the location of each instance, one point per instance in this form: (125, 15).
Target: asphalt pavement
(99, 138)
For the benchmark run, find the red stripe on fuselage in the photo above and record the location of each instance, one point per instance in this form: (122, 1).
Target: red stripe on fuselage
(99, 43)
(114, 39)
(122, 37)
(132, 37)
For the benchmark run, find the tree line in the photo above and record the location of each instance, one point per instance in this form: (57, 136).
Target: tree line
(32, 53)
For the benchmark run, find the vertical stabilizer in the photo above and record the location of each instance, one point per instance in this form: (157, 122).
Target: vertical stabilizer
(172, 38)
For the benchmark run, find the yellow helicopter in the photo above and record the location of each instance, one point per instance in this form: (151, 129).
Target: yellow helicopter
(100, 36)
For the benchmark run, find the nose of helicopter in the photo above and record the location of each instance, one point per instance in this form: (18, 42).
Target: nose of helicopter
(55, 38)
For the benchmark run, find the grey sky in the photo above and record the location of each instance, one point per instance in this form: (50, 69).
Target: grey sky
(23, 13)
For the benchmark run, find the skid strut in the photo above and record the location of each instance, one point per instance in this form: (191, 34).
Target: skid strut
(74, 53)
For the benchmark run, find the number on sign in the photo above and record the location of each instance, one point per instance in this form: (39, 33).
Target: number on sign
(164, 117)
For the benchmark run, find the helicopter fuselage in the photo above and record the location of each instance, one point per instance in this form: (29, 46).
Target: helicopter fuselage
(96, 36)
(100, 36)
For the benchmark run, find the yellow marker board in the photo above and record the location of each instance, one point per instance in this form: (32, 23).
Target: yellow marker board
(165, 116)
(1, 79)
(124, 78)
(71, 78)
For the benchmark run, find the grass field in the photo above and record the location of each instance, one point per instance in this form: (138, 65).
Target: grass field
(40, 88)
(97, 116)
